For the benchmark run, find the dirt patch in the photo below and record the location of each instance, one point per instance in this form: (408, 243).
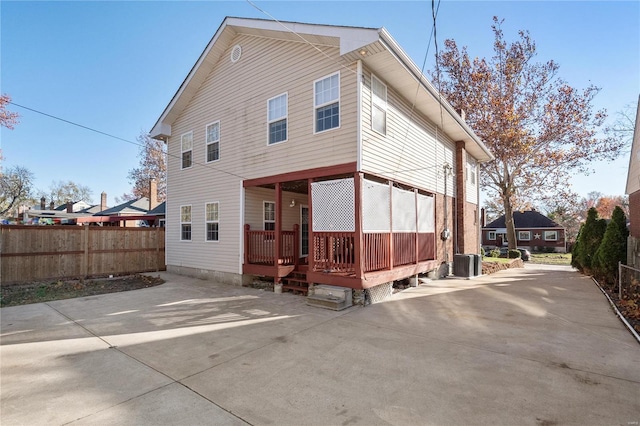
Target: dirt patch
(37, 292)
(489, 267)
(630, 309)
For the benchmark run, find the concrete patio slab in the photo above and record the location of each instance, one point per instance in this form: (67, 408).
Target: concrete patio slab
(528, 346)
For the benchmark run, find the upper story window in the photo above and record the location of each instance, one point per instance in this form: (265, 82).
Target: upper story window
(378, 106)
(471, 172)
(212, 213)
(213, 141)
(185, 223)
(186, 144)
(269, 216)
(277, 111)
(326, 102)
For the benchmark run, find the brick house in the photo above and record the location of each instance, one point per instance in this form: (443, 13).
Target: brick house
(633, 191)
(534, 231)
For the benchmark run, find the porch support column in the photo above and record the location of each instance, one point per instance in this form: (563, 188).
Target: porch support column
(415, 193)
(312, 247)
(278, 230)
(461, 199)
(390, 225)
(358, 240)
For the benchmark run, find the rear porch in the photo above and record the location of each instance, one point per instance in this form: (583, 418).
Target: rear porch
(349, 229)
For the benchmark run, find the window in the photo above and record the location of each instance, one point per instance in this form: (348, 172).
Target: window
(186, 141)
(185, 223)
(213, 141)
(326, 102)
(471, 173)
(492, 235)
(524, 235)
(277, 110)
(212, 212)
(551, 235)
(269, 216)
(378, 106)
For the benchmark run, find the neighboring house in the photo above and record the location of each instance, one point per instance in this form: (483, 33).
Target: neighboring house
(316, 150)
(159, 213)
(534, 231)
(73, 207)
(132, 213)
(633, 191)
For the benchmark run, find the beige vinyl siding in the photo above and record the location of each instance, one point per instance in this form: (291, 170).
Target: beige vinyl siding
(236, 94)
(254, 199)
(409, 152)
(472, 188)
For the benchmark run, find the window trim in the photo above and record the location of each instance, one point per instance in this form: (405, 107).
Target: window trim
(190, 222)
(520, 233)
(207, 222)
(285, 118)
(182, 150)
(489, 235)
(383, 107)
(317, 106)
(207, 143)
(557, 236)
(472, 168)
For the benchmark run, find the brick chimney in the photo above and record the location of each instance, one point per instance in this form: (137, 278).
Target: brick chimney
(153, 194)
(52, 206)
(69, 207)
(103, 201)
(43, 203)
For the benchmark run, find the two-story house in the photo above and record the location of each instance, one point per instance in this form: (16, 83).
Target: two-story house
(315, 149)
(633, 191)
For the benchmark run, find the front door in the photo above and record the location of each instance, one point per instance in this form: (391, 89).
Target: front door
(304, 230)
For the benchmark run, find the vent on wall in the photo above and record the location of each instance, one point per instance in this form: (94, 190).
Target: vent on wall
(236, 52)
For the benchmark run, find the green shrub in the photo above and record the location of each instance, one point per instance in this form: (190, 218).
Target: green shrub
(590, 238)
(482, 252)
(612, 249)
(514, 254)
(494, 253)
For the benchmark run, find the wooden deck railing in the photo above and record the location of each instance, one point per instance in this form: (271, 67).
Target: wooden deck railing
(260, 247)
(334, 251)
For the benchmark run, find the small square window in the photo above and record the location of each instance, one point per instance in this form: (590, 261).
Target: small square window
(524, 235)
(492, 235)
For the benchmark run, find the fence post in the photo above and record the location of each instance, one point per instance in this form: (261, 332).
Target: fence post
(85, 258)
(619, 280)
(157, 248)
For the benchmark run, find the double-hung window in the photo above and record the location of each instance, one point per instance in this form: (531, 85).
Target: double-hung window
(277, 110)
(186, 144)
(326, 102)
(185, 223)
(213, 141)
(471, 172)
(492, 235)
(212, 216)
(378, 106)
(269, 216)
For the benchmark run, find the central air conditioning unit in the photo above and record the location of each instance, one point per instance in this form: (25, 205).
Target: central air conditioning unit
(463, 265)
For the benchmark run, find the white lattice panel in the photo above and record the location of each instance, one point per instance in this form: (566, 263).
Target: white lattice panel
(333, 205)
(404, 210)
(426, 214)
(376, 214)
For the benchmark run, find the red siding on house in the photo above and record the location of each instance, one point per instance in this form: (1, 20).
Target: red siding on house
(534, 244)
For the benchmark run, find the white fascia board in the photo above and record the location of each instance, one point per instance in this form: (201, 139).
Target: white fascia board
(406, 61)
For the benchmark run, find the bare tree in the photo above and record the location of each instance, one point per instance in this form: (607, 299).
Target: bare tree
(540, 129)
(16, 185)
(62, 191)
(153, 164)
(8, 119)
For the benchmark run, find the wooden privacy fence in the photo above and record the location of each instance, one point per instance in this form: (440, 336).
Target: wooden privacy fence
(33, 253)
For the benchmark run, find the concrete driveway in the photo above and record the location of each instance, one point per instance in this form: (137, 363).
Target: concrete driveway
(534, 346)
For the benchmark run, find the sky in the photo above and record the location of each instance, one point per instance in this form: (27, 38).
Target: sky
(114, 66)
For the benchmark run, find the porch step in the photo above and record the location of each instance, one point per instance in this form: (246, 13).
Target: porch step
(296, 283)
(330, 297)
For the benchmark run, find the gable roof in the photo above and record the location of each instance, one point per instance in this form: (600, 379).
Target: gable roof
(159, 210)
(139, 206)
(383, 56)
(633, 176)
(525, 219)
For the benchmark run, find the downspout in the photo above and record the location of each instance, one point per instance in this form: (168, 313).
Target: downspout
(241, 227)
(359, 116)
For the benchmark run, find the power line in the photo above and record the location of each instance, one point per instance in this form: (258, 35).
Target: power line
(91, 129)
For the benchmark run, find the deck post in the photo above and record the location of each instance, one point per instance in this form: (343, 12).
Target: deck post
(296, 245)
(247, 247)
(390, 225)
(358, 240)
(278, 230)
(312, 247)
(415, 191)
